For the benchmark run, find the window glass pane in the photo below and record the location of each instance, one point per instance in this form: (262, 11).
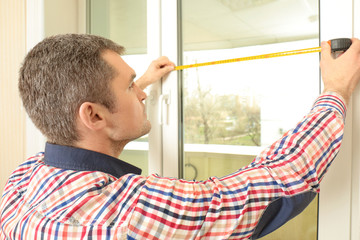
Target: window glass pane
(117, 21)
(232, 111)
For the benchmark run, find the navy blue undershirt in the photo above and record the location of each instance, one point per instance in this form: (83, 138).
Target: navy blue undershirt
(79, 159)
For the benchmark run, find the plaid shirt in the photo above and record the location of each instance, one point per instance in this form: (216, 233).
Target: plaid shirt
(90, 195)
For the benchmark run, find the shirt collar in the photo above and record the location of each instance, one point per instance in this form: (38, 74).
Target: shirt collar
(79, 159)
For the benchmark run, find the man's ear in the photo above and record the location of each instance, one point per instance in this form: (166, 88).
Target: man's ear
(92, 115)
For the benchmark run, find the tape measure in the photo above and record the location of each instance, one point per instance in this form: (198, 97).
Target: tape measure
(339, 44)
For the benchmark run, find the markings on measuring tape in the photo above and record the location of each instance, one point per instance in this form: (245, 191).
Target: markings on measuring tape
(256, 57)
(337, 45)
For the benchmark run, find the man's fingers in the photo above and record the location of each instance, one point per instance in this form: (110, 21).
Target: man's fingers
(354, 49)
(355, 45)
(166, 69)
(163, 61)
(325, 51)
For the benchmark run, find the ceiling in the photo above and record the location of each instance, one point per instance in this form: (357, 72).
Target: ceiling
(235, 23)
(212, 24)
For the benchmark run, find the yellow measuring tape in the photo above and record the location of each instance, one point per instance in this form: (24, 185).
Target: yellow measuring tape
(263, 56)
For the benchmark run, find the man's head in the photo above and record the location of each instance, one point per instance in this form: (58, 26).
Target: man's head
(60, 74)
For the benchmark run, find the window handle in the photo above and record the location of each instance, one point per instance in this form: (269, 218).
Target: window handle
(163, 98)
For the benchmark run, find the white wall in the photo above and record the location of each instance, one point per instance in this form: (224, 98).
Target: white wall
(23, 24)
(64, 16)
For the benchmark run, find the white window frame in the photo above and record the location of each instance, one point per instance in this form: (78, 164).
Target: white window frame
(155, 164)
(355, 200)
(35, 141)
(337, 215)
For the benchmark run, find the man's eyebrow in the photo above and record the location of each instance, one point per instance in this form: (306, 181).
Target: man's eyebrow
(132, 78)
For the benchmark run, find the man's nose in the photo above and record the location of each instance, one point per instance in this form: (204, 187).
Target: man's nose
(140, 93)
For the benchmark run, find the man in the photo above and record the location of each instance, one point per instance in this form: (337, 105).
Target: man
(81, 94)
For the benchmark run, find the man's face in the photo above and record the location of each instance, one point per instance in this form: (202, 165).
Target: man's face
(128, 121)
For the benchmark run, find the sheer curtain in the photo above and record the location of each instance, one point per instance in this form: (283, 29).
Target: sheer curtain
(12, 115)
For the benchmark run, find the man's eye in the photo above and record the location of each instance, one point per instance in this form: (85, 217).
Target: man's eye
(131, 85)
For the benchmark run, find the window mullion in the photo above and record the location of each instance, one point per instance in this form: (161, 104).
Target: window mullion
(170, 114)
(154, 91)
(335, 196)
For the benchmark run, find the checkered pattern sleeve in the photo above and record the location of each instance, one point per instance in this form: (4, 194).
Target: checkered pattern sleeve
(231, 207)
(45, 202)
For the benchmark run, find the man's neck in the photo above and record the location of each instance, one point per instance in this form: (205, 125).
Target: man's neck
(113, 149)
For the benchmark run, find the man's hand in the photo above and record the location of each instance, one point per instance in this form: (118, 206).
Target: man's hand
(341, 75)
(157, 69)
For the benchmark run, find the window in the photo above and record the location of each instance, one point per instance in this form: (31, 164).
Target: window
(232, 111)
(262, 90)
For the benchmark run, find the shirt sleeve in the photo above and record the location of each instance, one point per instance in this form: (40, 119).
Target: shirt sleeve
(255, 200)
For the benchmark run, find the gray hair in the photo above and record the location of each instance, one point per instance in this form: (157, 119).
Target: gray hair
(58, 75)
